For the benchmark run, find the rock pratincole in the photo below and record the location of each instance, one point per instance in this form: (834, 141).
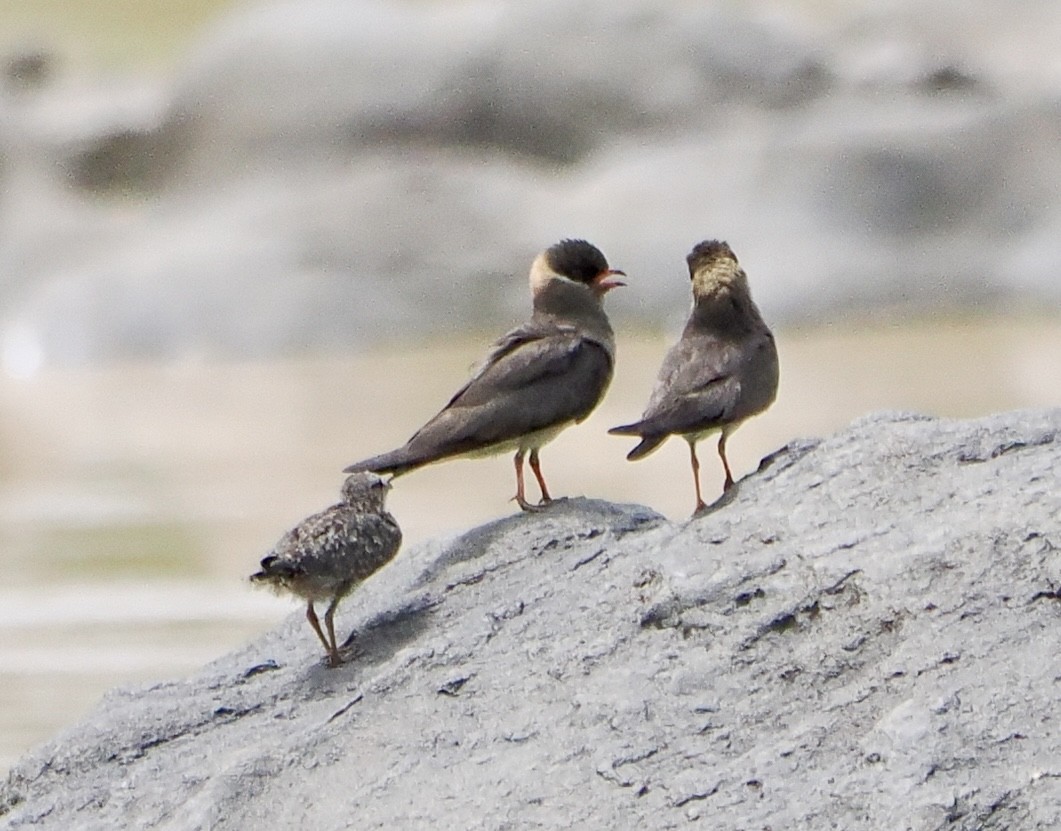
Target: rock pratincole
(537, 380)
(722, 371)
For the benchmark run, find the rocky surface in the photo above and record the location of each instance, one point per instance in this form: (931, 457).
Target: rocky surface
(862, 634)
(320, 174)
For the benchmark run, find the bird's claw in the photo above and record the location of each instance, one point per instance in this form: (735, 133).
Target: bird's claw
(530, 506)
(524, 505)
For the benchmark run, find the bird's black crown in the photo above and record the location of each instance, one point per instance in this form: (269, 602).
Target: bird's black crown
(707, 253)
(576, 259)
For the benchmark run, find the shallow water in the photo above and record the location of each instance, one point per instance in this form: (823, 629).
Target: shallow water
(135, 499)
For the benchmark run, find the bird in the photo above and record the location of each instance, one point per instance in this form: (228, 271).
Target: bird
(330, 553)
(536, 380)
(721, 372)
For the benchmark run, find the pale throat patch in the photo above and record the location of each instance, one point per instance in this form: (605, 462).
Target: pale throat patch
(725, 275)
(541, 275)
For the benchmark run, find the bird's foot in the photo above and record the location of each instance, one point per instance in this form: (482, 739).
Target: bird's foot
(701, 506)
(525, 505)
(333, 660)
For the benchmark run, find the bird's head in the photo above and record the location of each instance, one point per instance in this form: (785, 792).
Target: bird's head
(574, 261)
(713, 267)
(365, 489)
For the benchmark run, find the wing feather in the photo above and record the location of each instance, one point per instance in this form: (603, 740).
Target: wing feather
(533, 383)
(537, 376)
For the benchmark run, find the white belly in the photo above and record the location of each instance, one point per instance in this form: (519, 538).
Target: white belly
(727, 430)
(531, 441)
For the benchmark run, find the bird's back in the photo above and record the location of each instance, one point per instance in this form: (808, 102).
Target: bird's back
(329, 552)
(716, 374)
(538, 376)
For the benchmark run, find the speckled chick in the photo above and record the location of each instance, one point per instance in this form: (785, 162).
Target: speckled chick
(328, 554)
(721, 372)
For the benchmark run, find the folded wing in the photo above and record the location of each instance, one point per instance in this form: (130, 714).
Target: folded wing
(534, 378)
(698, 388)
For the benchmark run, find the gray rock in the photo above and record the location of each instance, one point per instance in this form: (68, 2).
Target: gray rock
(862, 634)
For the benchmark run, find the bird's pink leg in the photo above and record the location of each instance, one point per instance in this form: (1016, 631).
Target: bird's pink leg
(722, 452)
(700, 505)
(537, 468)
(521, 497)
(334, 659)
(311, 616)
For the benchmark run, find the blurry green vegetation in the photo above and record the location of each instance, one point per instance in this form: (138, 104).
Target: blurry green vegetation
(127, 550)
(112, 33)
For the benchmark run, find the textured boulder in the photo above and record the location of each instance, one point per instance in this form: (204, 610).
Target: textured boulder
(862, 634)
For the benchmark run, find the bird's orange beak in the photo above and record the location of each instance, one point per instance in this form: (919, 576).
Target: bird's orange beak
(603, 282)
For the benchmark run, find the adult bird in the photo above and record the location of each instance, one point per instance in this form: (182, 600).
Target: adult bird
(722, 371)
(537, 380)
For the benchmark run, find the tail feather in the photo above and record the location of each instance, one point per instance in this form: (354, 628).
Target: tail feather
(634, 429)
(649, 441)
(647, 445)
(396, 462)
(275, 568)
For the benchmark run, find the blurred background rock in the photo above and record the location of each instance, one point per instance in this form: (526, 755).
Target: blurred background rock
(242, 244)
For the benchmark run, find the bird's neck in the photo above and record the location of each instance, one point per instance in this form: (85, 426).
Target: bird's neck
(724, 304)
(567, 302)
(363, 504)
(720, 277)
